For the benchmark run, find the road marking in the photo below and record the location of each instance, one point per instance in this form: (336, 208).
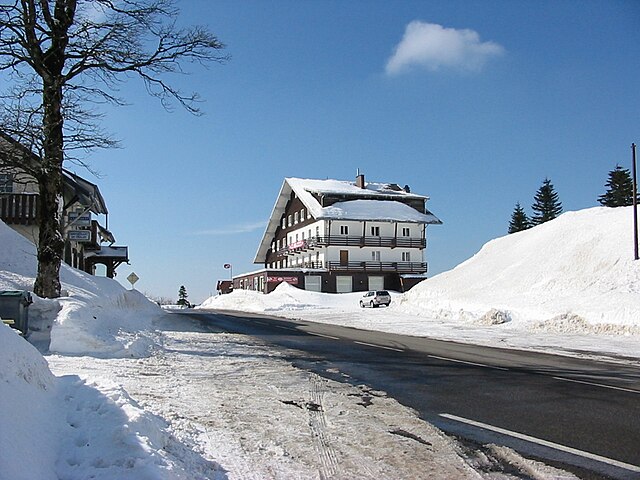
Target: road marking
(545, 443)
(322, 335)
(378, 346)
(598, 385)
(467, 363)
(284, 328)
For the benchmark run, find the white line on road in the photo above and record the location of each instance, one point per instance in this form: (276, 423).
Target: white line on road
(467, 363)
(378, 346)
(545, 443)
(322, 335)
(598, 385)
(284, 328)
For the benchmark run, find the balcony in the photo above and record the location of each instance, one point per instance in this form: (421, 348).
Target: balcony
(351, 241)
(400, 267)
(19, 208)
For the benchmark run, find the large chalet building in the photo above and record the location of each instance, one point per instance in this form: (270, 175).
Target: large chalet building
(87, 242)
(340, 236)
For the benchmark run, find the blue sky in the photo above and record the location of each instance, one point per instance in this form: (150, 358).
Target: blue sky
(471, 103)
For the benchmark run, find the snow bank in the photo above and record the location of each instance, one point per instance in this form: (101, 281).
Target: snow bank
(575, 273)
(67, 428)
(95, 315)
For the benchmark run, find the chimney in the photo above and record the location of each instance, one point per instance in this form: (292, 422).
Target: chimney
(360, 180)
(407, 189)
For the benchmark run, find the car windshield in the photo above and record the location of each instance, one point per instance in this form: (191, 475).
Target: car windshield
(383, 292)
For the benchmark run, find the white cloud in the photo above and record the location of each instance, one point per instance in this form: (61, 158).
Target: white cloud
(233, 229)
(432, 46)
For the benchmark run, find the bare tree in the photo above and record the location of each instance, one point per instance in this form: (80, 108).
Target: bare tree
(61, 59)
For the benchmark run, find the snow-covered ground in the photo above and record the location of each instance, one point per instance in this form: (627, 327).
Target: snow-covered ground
(140, 393)
(568, 286)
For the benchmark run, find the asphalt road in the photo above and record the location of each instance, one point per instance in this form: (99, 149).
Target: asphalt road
(580, 414)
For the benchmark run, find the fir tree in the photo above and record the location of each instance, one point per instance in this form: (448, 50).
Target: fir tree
(519, 220)
(182, 297)
(546, 205)
(619, 189)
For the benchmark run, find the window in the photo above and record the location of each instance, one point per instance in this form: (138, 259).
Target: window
(284, 222)
(289, 220)
(406, 256)
(296, 217)
(317, 231)
(296, 237)
(375, 256)
(302, 215)
(344, 230)
(406, 232)
(308, 215)
(6, 183)
(302, 235)
(375, 231)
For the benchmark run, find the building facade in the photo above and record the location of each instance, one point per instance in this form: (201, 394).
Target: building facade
(88, 243)
(339, 236)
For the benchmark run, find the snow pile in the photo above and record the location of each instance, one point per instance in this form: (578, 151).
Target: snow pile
(68, 428)
(575, 273)
(95, 315)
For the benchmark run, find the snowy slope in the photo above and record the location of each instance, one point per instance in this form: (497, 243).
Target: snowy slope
(576, 269)
(95, 315)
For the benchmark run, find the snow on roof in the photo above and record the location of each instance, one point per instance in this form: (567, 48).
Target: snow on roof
(379, 210)
(383, 195)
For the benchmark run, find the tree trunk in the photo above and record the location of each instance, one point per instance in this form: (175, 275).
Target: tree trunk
(50, 239)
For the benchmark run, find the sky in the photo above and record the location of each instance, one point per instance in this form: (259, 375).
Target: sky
(471, 103)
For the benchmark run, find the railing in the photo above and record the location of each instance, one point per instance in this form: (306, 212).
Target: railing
(19, 208)
(400, 267)
(351, 241)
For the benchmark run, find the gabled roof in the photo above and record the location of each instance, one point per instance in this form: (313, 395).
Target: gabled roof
(377, 201)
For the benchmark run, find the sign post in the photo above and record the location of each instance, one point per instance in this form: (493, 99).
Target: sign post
(133, 278)
(635, 202)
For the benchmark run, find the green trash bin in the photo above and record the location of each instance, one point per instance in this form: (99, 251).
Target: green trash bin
(14, 308)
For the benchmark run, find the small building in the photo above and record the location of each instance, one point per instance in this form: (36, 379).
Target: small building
(224, 286)
(339, 236)
(87, 242)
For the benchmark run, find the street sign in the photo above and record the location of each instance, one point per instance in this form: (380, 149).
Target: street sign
(79, 235)
(133, 278)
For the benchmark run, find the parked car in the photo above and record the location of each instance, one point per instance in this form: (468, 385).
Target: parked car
(374, 298)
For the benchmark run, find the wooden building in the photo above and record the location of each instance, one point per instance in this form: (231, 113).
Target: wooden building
(87, 242)
(339, 236)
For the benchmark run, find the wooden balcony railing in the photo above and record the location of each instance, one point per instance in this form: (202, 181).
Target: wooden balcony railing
(351, 241)
(400, 267)
(19, 208)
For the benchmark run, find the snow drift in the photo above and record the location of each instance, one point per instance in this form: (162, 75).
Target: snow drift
(95, 315)
(575, 273)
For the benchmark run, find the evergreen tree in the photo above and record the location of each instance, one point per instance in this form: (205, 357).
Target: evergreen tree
(619, 189)
(182, 297)
(519, 220)
(546, 205)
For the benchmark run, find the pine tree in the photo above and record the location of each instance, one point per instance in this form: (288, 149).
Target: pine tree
(546, 205)
(182, 297)
(619, 189)
(519, 220)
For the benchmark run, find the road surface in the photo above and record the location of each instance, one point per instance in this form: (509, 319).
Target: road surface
(582, 415)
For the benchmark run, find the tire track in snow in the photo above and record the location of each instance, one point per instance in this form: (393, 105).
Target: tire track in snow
(329, 465)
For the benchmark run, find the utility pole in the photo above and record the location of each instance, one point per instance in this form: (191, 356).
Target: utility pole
(635, 201)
